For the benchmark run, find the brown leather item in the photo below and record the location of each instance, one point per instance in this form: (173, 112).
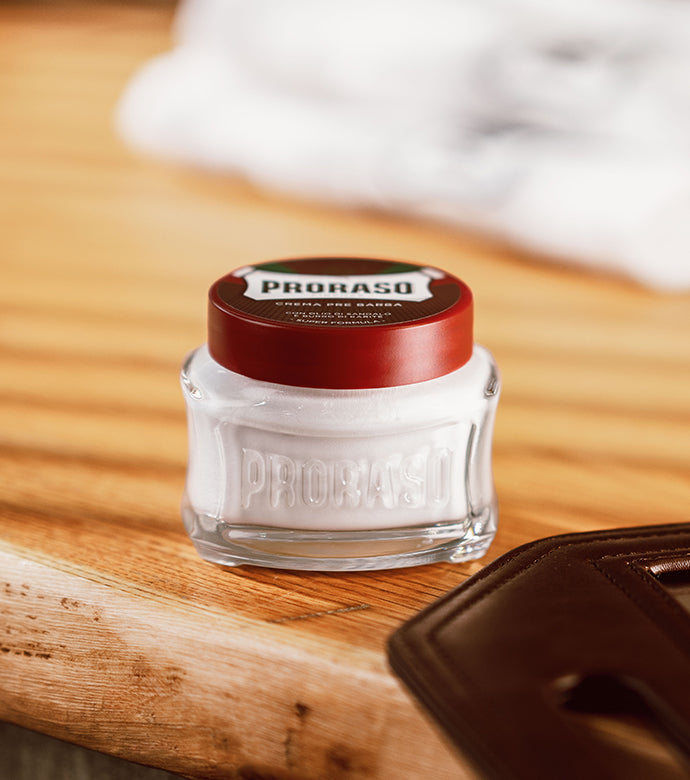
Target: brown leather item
(596, 622)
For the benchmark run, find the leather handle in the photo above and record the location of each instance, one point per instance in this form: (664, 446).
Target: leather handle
(502, 661)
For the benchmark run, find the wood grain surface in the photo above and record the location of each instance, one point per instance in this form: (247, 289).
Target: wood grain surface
(114, 634)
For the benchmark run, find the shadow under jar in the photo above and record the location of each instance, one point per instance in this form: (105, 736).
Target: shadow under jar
(340, 418)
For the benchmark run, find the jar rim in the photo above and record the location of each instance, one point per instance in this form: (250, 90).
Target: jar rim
(340, 322)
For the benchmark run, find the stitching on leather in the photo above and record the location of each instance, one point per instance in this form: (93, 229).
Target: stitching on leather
(650, 582)
(572, 540)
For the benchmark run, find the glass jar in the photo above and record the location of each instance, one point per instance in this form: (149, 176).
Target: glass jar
(340, 418)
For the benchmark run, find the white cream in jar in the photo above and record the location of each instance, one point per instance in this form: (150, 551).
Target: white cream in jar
(340, 418)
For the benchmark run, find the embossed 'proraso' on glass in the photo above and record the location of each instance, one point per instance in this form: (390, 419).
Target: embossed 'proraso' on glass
(340, 417)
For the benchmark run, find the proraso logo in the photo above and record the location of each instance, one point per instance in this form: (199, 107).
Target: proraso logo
(273, 285)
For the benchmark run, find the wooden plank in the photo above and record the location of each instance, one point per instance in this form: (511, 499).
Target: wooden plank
(114, 634)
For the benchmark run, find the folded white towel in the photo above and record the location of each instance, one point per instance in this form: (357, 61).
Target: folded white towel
(565, 129)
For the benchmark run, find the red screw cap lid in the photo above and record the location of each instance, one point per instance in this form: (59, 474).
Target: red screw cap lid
(340, 322)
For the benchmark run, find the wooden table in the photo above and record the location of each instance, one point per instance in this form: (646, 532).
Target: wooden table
(114, 634)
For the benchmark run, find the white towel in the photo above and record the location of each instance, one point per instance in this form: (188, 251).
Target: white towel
(563, 128)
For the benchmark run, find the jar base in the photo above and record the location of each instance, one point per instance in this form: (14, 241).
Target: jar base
(305, 550)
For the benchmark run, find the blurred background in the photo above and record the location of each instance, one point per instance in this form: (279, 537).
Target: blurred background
(563, 130)
(539, 151)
